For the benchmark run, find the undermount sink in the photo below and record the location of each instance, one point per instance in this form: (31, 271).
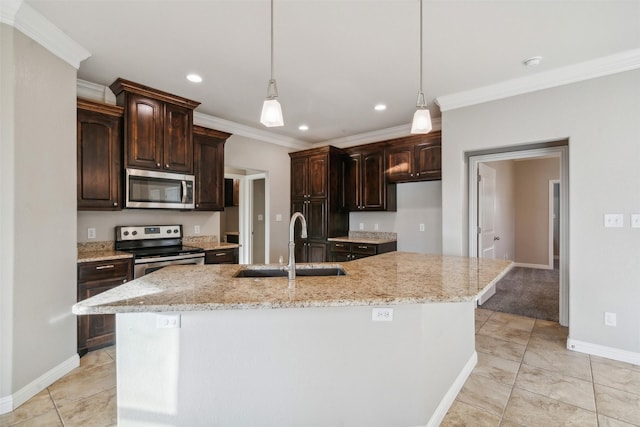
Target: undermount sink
(278, 272)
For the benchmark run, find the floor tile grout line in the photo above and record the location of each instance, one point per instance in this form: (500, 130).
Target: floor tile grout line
(55, 405)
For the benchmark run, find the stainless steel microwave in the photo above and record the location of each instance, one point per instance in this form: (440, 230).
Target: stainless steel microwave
(158, 190)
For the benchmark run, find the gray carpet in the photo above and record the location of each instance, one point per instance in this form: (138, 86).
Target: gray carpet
(528, 292)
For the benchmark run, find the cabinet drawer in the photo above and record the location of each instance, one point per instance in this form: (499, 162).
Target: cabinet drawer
(361, 248)
(224, 256)
(101, 270)
(340, 247)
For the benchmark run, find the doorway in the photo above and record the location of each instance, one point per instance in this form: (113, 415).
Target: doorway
(476, 245)
(246, 217)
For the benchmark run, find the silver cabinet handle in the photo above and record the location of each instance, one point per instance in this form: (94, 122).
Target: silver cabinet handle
(124, 280)
(158, 165)
(339, 245)
(115, 203)
(166, 166)
(221, 254)
(363, 247)
(104, 267)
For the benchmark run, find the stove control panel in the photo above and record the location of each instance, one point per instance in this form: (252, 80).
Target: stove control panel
(140, 232)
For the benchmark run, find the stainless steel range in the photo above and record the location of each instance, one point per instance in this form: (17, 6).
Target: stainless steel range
(156, 246)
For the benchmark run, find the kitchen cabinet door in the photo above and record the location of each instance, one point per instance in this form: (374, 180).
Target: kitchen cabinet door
(208, 161)
(299, 177)
(99, 143)
(144, 132)
(428, 159)
(177, 141)
(414, 158)
(95, 331)
(366, 186)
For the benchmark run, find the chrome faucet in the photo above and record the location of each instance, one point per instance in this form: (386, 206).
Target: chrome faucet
(291, 266)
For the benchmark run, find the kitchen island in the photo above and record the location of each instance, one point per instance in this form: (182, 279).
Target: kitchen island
(196, 346)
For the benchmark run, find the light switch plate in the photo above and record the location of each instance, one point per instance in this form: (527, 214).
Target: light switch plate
(635, 220)
(278, 217)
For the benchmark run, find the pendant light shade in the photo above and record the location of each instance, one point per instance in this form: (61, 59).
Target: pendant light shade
(271, 110)
(422, 118)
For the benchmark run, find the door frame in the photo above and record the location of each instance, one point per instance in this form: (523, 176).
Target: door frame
(552, 183)
(245, 214)
(509, 154)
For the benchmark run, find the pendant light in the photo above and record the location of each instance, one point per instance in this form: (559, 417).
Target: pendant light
(422, 118)
(271, 111)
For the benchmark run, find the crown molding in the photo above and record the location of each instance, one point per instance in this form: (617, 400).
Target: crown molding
(604, 66)
(8, 11)
(30, 22)
(378, 135)
(247, 131)
(95, 91)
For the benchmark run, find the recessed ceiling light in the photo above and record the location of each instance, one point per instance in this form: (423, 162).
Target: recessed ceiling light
(380, 107)
(194, 78)
(533, 61)
(303, 127)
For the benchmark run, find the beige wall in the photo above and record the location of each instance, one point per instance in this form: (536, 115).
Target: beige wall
(603, 178)
(38, 222)
(245, 153)
(418, 203)
(532, 209)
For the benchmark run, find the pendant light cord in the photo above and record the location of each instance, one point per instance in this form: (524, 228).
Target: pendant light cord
(420, 45)
(272, 38)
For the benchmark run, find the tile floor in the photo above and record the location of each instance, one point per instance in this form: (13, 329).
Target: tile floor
(524, 377)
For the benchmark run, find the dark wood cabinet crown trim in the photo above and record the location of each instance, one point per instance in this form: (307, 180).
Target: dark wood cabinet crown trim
(99, 107)
(122, 85)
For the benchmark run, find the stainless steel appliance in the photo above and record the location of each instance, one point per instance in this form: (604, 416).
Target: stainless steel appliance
(159, 190)
(156, 246)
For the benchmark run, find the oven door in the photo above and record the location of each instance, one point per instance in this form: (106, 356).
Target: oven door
(146, 266)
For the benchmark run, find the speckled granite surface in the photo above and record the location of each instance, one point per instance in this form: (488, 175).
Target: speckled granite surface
(370, 237)
(391, 278)
(99, 251)
(104, 251)
(207, 242)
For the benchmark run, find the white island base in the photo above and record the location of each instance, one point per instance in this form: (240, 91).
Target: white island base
(315, 366)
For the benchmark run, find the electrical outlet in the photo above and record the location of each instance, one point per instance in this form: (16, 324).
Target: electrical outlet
(166, 321)
(635, 220)
(196, 229)
(614, 220)
(421, 227)
(278, 217)
(362, 226)
(610, 319)
(379, 314)
(375, 227)
(91, 233)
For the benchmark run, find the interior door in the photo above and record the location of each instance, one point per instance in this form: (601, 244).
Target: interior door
(486, 211)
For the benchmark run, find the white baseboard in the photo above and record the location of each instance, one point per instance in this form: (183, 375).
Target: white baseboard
(450, 396)
(603, 351)
(538, 266)
(9, 403)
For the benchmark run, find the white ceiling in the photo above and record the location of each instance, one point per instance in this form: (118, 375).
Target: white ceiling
(335, 59)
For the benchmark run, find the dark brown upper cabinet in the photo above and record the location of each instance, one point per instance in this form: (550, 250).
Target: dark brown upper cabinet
(316, 192)
(414, 158)
(157, 127)
(99, 138)
(366, 186)
(208, 166)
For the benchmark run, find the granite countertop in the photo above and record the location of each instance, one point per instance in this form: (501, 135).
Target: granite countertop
(391, 278)
(99, 251)
(366, 237)
(104, 251)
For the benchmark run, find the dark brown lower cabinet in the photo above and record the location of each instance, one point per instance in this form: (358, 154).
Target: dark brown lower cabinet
(347, 251)
(98, 330)
(221, 256)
